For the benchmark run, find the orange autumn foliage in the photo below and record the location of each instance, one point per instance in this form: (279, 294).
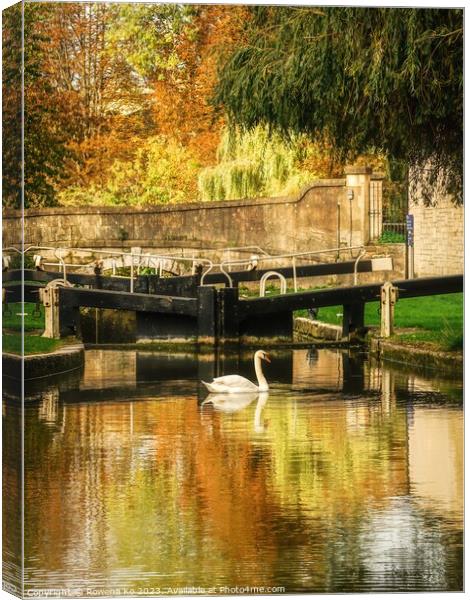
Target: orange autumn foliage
(182, 100)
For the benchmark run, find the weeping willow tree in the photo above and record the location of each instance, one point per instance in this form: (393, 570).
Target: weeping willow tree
(386, 80)
(257, 163)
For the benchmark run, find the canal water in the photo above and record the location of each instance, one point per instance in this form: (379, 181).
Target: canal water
(345, 477)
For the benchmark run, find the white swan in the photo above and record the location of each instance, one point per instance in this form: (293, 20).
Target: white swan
(236, 384)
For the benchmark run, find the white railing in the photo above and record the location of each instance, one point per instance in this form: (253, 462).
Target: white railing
(293, 256)
(135, 260)
(29, 248)
(268, 275)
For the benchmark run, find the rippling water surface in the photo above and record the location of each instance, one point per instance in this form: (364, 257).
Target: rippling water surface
(345, 477)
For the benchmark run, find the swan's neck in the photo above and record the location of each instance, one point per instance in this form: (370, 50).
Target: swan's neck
(262, 383)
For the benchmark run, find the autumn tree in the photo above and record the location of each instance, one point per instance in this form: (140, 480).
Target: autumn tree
(44, 127)
(105, 102)
(183, 94)
(11, 107)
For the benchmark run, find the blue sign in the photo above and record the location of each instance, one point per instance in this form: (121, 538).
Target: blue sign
(410, 226)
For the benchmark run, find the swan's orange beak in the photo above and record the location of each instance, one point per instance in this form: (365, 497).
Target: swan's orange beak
(266, 358)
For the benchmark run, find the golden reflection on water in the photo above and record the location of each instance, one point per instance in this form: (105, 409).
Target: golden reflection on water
(339, 479)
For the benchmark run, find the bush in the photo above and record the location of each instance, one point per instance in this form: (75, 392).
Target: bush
(392, 237)
(161, 171)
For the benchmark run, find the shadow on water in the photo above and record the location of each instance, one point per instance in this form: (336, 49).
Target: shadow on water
(135, 371)
(346, 476)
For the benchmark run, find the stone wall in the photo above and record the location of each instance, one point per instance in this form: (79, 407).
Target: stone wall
(438, 238)
(279, 225)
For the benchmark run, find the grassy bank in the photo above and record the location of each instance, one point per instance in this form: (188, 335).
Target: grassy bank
(33, 326)
(33, 344)
(435, 321)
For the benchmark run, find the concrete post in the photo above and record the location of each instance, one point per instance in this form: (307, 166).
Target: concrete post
(358, 182)
(388, 299)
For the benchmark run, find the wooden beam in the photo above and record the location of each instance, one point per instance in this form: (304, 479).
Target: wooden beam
(429, 286)
(227, 315)
(126, 301)
(408, 288)
(316, 270)
(186, 284)
(207, 314)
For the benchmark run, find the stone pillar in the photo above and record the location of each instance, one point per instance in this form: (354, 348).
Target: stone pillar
(388, 299)
(358, 185)
(50, 299)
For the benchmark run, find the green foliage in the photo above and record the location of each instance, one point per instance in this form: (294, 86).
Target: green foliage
(161, 171)
(391, 237)
(18, 263)
(148, 271)
(363, 79)
(255, 163)
(11, 335)
(146, 35)
(452, 336)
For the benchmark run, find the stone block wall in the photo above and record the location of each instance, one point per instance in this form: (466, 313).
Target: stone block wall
(438, 238)
(279, 225)
(327, 214)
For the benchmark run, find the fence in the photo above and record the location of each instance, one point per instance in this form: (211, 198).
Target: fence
(388, 206)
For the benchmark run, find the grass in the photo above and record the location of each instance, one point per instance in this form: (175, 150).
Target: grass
(436, 320)
(33, 322)
(33, 344)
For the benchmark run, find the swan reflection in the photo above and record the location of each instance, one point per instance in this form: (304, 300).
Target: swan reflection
(232, 403)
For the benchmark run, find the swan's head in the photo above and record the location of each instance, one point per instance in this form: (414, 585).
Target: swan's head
(262, 355)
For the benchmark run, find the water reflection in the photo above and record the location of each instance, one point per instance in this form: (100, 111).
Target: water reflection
(345, 477)
(230, 403)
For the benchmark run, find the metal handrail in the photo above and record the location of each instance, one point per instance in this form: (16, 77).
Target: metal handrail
(228, 249)
(292, 255)
(246, 249)
(159, 257)
(264, 279)
(209, 264)
(356, 263)
(54, 250)
(5, 248)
